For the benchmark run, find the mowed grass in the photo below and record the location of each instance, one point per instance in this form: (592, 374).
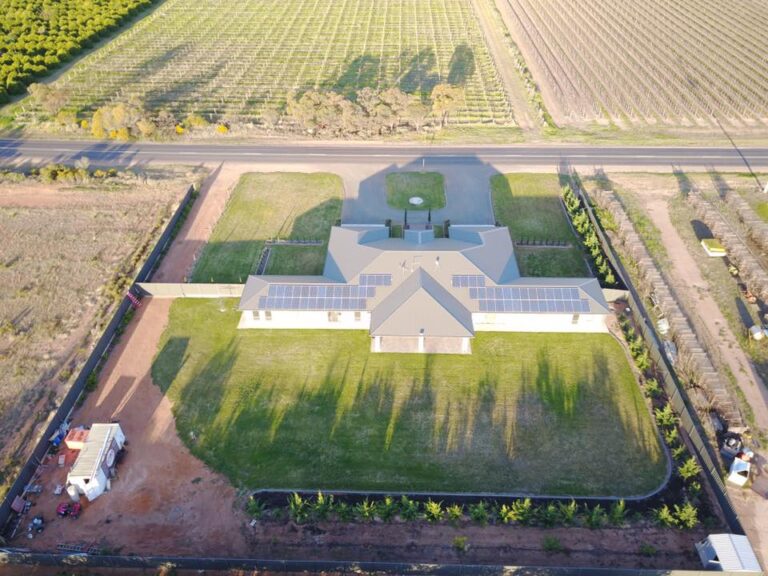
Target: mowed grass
(429, 186)
(267, 206)
(529, 205)
(538, 413)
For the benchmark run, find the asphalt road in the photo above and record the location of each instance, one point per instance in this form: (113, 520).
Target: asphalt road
(14, 151)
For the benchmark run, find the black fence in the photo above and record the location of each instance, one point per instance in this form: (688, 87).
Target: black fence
(702, 448)
(12, 557)
(102, 347)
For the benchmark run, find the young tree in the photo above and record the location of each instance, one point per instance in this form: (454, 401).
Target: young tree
(446, 99)
(49, 98)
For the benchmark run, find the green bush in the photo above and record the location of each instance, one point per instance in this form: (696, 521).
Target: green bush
(255, 507)
(409, 509)
(549, 515)
(366, 510)
(298, 508)
(666, 417)
(322, 506)
(595, 517)
(618, 513)
(689, 469)
(568, 512)
(387, 509)
(664, 517)
(479, 513)
(552, 545)
(523, 511)
(647, 550)
(433, 511)
(455, 513)
(686, 515)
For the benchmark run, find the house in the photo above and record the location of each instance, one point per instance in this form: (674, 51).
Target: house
(90, 474)
(423, 294)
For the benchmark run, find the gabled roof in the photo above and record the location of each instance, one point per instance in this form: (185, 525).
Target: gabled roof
(420, 305)
(348, 250)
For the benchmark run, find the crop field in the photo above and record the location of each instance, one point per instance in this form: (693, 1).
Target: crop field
(272, 206)
(64, 249)
(530, 206)
(231, 59)
(650, 63)
(317, 410)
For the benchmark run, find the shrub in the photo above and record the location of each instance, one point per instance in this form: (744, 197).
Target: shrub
(455, 512)
(366, 510)
(647, 550)
(664, 517)
(678, 452)
(195, 121)
(479, 513)
(506, 516)
(552, 545)
(255, 507)
(596, 516)
(666, 417)
(522, 511)
(387, 509)
(568, 512)
(298, 508)
(686, 515)
(652, 388)
(344, 512)
(689, 469)
(549, 515)
(323, 506)
(409, 509)
(222, 128)
(433, 511)
(460, 544)
(671, 436)
(618, 513)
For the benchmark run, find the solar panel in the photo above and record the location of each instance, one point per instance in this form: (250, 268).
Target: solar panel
(375, 280)
(334, 304)
(526, 298)
(468, 280)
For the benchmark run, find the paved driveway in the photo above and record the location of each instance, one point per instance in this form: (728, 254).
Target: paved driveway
(467, 190)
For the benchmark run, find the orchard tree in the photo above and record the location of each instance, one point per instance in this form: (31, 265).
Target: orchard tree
(446, 100)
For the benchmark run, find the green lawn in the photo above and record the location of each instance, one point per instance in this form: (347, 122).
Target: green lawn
(551, 262)
(267, 206)
(529, 205)
(401, 186)
(541, 413)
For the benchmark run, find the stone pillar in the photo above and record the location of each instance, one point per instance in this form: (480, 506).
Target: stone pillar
(421, 341)
(377, 343)
(465, 345)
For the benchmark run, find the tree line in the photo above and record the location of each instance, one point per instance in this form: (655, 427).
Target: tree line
(366, 113)
(38, 35)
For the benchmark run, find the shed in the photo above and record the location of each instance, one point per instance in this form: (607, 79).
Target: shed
(91, 471)
(727, 553)
(739, 472)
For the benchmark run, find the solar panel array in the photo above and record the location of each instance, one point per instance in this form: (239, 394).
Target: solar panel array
(316, 297)
(375, 279)
(529, 299)
(468, 281)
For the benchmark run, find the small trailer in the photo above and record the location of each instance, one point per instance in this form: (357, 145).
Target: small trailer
(91, 472)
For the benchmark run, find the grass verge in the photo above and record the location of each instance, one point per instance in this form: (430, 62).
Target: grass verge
(310, 409)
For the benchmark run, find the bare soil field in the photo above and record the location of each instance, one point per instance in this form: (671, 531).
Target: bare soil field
(67, 250)
(646, 64)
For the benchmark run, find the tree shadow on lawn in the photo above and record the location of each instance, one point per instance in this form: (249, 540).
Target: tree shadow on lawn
(365, 427)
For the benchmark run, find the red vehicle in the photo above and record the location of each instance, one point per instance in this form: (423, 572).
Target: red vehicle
(67, 509)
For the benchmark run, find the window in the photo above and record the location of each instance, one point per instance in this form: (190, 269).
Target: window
(257, 315)
(333, 316)
(357, 316)
(267, 315)
(575, 319)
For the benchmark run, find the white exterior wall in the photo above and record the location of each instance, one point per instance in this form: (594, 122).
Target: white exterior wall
(517, 322)
(305, 319)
